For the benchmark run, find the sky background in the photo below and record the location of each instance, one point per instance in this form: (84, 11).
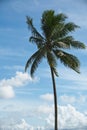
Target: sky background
(27, 103)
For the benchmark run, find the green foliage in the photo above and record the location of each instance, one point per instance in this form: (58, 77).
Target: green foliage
(52, 62)
(56, 35)
(68, 60)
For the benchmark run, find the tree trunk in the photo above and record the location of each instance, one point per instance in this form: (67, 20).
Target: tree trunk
(55, 101)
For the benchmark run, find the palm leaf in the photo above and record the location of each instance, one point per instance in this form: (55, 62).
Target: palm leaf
(60, 44)
(78, 45)
(68, 60)
(70, 42)
(37, 60)
(31, 59)
(33, 29)
(47, 22)
(57, 31)
(52, 62)
(70, 27)
(62, 29)
(40, 42)
(50, 20)
(60, 18)
(67, 28)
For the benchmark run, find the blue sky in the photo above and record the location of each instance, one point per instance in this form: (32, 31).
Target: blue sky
(26, 102)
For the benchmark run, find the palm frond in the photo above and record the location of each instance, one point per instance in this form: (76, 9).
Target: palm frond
(68, 60)
(40, 42)
(37, 60)
(47, 22)
(69, 40)
(67, 28)
(51, 59)
(31, 59)
(56, 37)
(33, 29)
(57, 31)
(70, 27)
(62, 29)
(29, 22)
(60, 44)
(78, 45)
(50, 20)
(60, 18)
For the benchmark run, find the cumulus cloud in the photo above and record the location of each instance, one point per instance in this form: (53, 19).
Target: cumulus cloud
(6, 92)
(46, 109)
(7, 85)
(69, 118)
(65, 99)
(20, 125)
(18, 80)
(47, 97)
(23, 125)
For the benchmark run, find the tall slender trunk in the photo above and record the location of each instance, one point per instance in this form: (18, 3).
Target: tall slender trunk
(55, 101)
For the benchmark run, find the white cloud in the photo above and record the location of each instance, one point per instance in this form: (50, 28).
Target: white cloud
(69, 118)
(50, 121)
(23, 125)
(47, 97)
(65, 99)
(6, 92)
(18, 80)
(7, 85)
(46, 109)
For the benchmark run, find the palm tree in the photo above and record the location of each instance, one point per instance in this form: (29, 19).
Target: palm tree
(51, 43)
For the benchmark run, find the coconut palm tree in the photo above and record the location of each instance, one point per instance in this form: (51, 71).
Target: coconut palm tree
(51, 44)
